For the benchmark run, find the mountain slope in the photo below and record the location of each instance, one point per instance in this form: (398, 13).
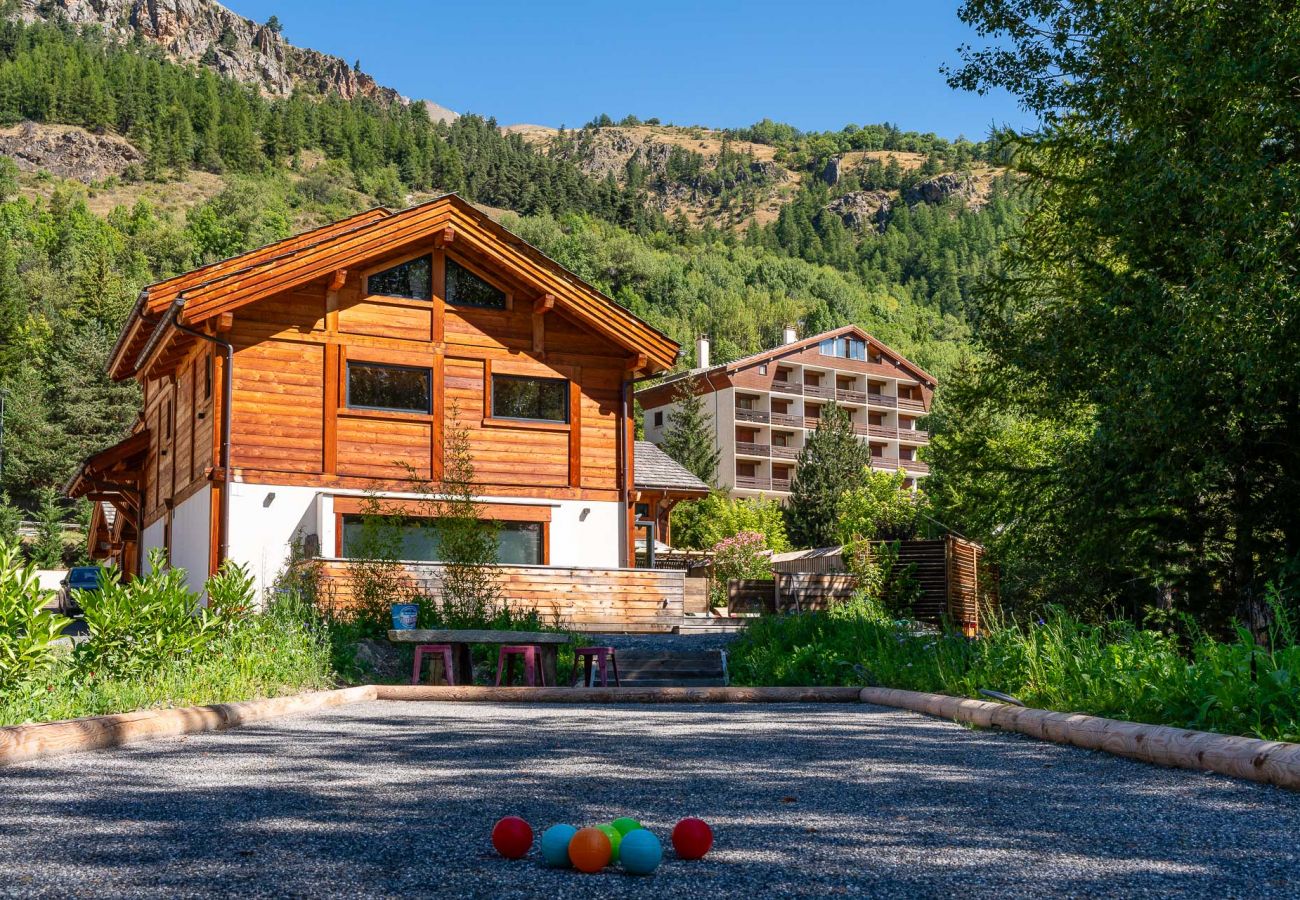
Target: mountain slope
(203, 32)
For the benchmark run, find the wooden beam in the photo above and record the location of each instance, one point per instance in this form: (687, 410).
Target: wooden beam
(445, 237)
(575, 432)
(544, 304)
(637, 363)
(225, 322)
(338, 280)
(539, 333)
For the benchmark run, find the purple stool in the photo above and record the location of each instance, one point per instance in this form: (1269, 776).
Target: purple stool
(445, 650)
(532, 671)
(604, 659)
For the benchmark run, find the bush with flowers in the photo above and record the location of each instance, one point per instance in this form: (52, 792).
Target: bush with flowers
(744, 555)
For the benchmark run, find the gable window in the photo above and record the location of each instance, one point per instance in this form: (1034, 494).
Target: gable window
(531, 399)
(394, 388)
(464, 288)
(844, 348)
(412, 279)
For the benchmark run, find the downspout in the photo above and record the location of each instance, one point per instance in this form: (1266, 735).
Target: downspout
(227, 393)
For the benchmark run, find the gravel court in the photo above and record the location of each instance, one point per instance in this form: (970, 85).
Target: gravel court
(398, 798)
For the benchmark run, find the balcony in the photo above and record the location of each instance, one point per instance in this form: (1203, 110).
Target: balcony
(748, 448)
(787, 387)
(915, 465)
(781, 484)
(751, 415)
(785, 452)
(915, 405)
(859, 428)
(876, 399)
(787, 420)
(811, 421)
(884, 431)
(850, 396)
(913, 434)
(819, 390)
(754, 482)
(885, 462)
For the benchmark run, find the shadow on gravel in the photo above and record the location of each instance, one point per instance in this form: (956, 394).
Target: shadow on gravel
(809, 799)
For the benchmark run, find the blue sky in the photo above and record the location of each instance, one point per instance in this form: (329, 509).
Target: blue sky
(726, 63)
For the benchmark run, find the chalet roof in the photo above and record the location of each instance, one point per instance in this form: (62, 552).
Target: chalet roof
(113, 464)
(655, 470)
(197, 296)
(109, 512)
(745, 362)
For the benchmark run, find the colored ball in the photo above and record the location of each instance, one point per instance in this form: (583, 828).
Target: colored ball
(555, 845)
(625, 824)
(590, 850)
(615, 838)
(641, 852)
(512, 837)
(692, 838)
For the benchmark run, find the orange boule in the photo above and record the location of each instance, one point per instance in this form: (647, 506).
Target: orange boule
(590, 850)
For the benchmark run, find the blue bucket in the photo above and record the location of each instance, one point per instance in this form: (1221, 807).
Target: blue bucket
(404, 616)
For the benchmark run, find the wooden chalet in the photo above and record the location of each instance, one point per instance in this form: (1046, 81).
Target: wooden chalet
(284, 385)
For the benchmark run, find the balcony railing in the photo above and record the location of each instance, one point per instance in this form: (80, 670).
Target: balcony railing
(819, 390)
(748, 448)
(788, 387)
(915, 465)
(913, 434)
(883, 431)
(785, 452)
(885, 462)
(754, 482)
(859, 428)
(850, 396)
(917, 405)
(781, 484)
(811, 421)
(876, 399)
(787, 420)
(750, 415)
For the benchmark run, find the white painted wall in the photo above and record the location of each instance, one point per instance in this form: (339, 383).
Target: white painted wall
(585, 534)
(263, 520)
(191, 534)
(152, 537)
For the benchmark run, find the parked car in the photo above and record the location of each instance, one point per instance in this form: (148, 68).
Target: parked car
(84, 578)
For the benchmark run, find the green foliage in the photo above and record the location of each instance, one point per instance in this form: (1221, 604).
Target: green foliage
(28, 631)
(1233, 686)
(11, 518)
(47, 552)
(745, 555)
(1133, 422)
(831, 463)
(879, 507)
(700, 524)
(689, 437)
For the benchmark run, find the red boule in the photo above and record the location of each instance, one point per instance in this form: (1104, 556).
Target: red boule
(692, 838)
(512, 837)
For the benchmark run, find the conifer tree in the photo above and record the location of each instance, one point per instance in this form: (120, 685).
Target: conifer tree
(830, 463)
(689, 438)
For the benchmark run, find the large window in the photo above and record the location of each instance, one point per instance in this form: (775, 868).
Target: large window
(464, 288)
(413, 279)
(418, 540)
(531, 399)
(396, 388)
(844, 348)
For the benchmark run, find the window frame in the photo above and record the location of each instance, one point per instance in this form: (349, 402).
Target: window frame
(490, 378)
(346, 394)
(482, 275)
(367, 273)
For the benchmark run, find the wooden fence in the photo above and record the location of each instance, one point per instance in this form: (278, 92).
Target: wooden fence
(953, 580)
(593, 600)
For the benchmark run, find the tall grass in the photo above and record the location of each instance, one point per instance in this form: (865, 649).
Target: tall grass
(1117, 670)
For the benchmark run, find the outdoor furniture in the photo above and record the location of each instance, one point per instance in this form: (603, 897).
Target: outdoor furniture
(506, 663)
(461, 640)
(444, 650)
(603, 657)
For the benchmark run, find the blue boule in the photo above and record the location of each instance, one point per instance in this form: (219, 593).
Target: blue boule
(555, 846)
(641, 852)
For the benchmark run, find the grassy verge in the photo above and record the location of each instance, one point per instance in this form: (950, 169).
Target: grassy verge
(1116, 670)
(280, 652)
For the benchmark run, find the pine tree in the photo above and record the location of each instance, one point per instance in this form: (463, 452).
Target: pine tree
(47, 552)
(830, 463)
(689, 438)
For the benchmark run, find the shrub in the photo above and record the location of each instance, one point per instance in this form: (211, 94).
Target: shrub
(28, 631)
(742, 556)
(702, 523)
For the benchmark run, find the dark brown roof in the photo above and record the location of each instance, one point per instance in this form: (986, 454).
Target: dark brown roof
(655, 470)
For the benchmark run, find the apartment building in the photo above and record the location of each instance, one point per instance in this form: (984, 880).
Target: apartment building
(764, 406)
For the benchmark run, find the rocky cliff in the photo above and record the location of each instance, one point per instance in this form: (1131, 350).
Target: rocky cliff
(203, 32)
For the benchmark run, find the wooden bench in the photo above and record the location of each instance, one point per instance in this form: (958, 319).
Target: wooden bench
(462, 640)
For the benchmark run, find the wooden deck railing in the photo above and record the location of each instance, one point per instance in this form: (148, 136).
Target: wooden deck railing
(749, 448)
(750, 415)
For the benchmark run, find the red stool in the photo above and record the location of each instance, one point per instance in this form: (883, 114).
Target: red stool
(445, 650)
(533, 674)
(604, 658)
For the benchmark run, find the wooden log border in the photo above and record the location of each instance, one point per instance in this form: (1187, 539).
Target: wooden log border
(1272, 762)
(20, 743)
